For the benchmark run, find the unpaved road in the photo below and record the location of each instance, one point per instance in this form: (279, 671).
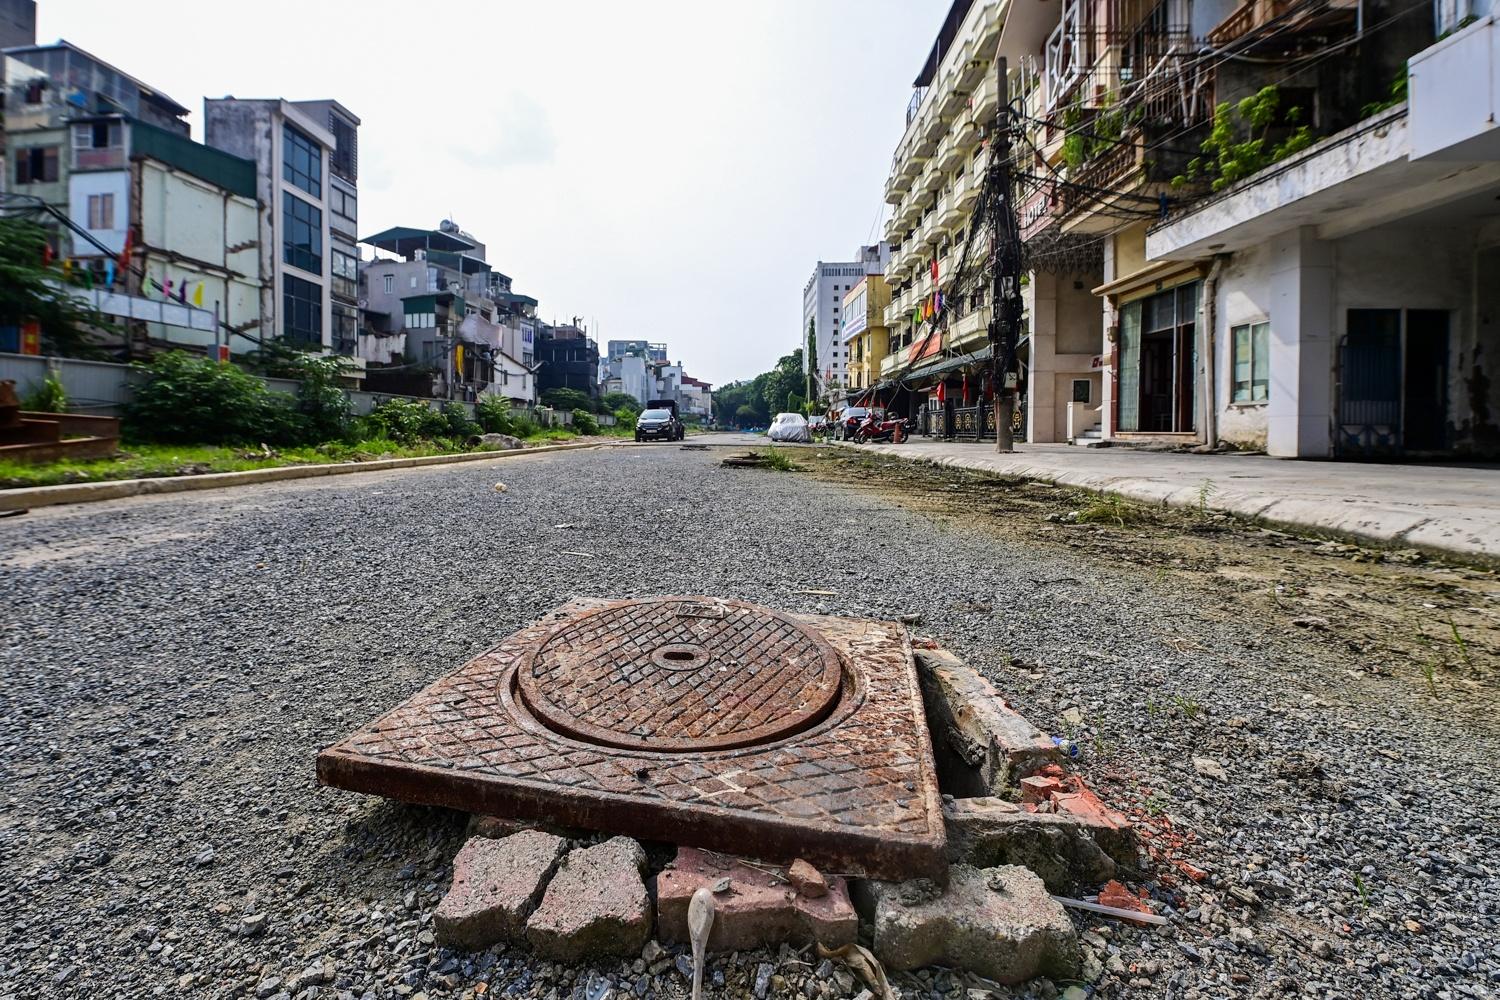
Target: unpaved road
(172, 665)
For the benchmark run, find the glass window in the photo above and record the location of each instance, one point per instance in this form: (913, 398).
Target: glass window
(302, 162)
(102, 211)
(302, 311)
(302, 234)
(390, 284)
(1251, 345)
(1130, 366)
(345, 273)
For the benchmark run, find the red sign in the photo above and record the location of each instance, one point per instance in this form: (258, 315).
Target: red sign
(929, 344)
(221, 352)
(31, 337)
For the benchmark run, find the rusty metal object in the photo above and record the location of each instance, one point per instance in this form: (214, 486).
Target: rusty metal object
(841, 776)
(675, 675)
(10, 404)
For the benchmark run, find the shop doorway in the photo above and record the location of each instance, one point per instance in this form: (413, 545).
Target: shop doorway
(1158, 355)
(1393, 382)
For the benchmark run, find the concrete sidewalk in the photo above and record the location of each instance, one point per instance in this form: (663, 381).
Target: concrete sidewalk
(1450, 509)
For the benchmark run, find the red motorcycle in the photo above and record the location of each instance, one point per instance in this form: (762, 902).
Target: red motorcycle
(875, 428)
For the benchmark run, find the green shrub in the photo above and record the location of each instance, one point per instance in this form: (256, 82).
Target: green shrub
(584, 422)
(458, 424)
(567, 399)
(614, 402)
(192, 400)
(523, 427)
(48, 397)
(406, 421)
(493, 414)
(322, 403)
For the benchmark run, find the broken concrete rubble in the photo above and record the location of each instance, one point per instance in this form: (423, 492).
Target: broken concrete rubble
(596, 904)
(997, 922)
(987, 832)
(986, 745)
(496, 885)
(759, 908)
(1054, 790)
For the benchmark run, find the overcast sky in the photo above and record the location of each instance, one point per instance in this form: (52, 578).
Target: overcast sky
(666, 170)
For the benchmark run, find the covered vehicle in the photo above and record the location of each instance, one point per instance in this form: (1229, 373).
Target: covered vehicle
(789, 427)
(658, 422)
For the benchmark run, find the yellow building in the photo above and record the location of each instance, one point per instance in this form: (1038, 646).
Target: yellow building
(866, 338)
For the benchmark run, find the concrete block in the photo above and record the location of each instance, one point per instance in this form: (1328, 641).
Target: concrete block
(758, 910)
(596, 905)
(496, 885)
(1061, 850)
(997, 922)
(967, 716)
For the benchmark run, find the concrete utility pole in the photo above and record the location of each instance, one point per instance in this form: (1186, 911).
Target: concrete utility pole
(1005, 274)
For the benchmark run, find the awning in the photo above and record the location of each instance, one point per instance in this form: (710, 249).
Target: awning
(458, 262)
(1150, 275)
(405, 241)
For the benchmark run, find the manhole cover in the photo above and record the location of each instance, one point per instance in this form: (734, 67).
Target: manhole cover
(680, 675)
(689, 720)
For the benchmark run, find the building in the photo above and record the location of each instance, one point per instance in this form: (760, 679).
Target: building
(439, 320)
(343, 220)
(639, 348)
(568, 359)
(697, 401)
(866, 339)
(164, 227)
(628, 373)
(17, 23)
(938, 318)
(822, 299)
(293, 146)
(1319, 291)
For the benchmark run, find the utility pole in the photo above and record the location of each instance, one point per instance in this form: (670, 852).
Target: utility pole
(1005, 274)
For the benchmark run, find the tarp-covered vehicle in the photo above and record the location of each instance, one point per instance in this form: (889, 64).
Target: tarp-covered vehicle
(790, 427)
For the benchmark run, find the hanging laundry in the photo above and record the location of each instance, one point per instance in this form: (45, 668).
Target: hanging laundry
(198, 294)
(109, 271)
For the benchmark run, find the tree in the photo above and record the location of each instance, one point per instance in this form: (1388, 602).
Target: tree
(614, 402)
(567, 399)
(812, 358)
(31, 291)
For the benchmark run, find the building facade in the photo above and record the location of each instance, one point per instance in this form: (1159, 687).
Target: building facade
(568, 358)
(822, 302)
(866, 339)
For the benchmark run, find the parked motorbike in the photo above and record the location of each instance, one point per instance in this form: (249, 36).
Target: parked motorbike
(873, 429)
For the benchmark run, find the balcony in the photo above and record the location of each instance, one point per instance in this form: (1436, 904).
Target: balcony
(889, 364)
(1290, 16)
(949, 155)
(935, 128)
(987, 25)
(965, 193)
(971, 65)
(929, 182)
(986, 99)
(951, 99)
(1455, 95)
(949, 215)
(895, 187)
(911, 166)
(99, 158)
(965, 135)
(973, 326)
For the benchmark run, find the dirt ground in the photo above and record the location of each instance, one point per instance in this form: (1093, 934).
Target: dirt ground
(1421, 622)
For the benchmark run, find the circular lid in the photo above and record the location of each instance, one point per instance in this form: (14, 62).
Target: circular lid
(680, 674)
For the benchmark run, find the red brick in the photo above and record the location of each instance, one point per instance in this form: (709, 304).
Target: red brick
(807, 880)
(496, 885)
(759, 908)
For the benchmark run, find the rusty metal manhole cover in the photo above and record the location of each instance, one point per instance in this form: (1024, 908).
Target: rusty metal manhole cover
(680, 675)
(695, 721)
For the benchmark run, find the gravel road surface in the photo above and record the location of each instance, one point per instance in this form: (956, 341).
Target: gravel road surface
(171, 666)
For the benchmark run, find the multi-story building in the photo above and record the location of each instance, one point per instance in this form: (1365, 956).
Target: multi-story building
(343, 220)
(628, 373)
(568, 359)
(866, 339)
(822, 300)
(639, 348)
(440, 320)
(697, 400)
(938, 315)
(293, 147)
(1268, 245)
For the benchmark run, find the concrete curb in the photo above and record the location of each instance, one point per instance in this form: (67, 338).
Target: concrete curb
(1430, 530)
(48, 496)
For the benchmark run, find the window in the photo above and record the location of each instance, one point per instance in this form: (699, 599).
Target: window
(97, 135)
(345, 273)
(390, 284)
(36, 165)
(302, 311)
(341, 202)
(1081, 390)
(344, 160)
(1252, 362)
(302, 162)
(102, 211)
(302, 234)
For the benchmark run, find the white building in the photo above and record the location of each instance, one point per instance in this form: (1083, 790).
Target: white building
(821, 298)
(291, 145)
(627, 373)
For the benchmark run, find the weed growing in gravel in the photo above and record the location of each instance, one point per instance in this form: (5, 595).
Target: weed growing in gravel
(1206, 490)
(1110, 509)
(1463, 647)
(1156, 803)
(1364, 892)
(779, 460)
(1428, 671)
(1430, 663)
(1187, 706)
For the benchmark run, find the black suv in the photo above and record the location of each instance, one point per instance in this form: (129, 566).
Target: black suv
(658, 422)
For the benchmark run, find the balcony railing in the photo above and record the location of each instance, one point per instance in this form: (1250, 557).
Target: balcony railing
(101, 158)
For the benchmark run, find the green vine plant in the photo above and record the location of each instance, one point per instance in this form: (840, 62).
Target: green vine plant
(1101, 135)
(1228, 158)
(1394, 96)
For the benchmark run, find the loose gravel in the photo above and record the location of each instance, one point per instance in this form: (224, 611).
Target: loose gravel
(173, 664)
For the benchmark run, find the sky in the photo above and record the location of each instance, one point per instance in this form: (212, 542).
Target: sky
(666, 171)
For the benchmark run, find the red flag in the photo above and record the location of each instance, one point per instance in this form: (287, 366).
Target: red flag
(125, 253)
(966, 388)
(934, 269)
(941, 395)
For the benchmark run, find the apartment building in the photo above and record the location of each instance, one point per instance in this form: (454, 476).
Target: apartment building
(822, 303)
(866, 339)
(938, 315)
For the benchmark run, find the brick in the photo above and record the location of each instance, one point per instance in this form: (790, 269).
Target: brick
(989, 832)
(759, 909)
(596, 905)
(496, 885)
(997, 922)
(967, 715)
(807, 880)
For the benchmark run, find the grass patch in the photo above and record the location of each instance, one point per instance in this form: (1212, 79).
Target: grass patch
(1110, 509)
(779, 460)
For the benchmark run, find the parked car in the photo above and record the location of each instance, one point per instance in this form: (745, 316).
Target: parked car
(817, 424)
(850, 417)
(789, 427)
(658, 422)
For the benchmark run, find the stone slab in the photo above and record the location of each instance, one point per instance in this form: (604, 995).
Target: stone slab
(496, 885)
(760, 908)
(997, 922)
(596, 905)
(1058, 847)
